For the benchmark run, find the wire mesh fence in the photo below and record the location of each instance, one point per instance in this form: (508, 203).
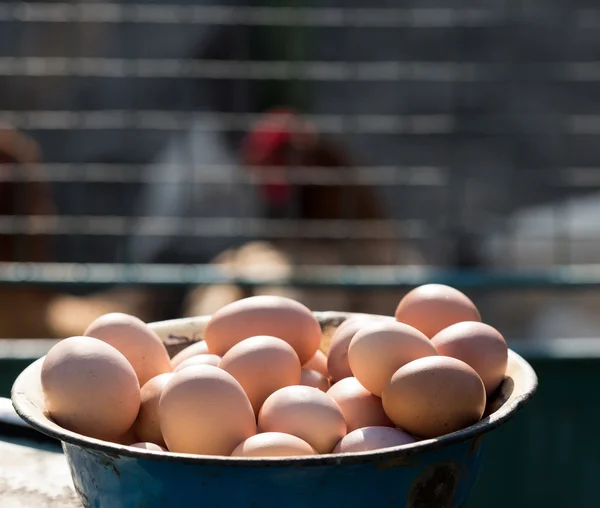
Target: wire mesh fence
(373, 146)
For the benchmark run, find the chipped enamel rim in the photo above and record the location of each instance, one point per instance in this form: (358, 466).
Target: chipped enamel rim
(516, 390)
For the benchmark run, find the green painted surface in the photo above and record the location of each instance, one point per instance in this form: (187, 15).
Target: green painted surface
(10, 368)
(549, 454)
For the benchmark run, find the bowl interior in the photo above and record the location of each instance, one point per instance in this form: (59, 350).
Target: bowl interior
(518, 386)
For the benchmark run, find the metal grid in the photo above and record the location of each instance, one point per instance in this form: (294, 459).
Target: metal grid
(476, 120)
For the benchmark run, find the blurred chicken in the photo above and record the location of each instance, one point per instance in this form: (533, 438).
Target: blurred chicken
(22, 307)
(281, 143)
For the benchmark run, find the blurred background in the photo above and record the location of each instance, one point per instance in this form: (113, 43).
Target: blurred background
(165, 158)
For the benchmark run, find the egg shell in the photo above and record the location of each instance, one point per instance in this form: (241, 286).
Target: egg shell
(204, 410)
(433, 396)
(367, 439)
(318, 362)
(305, 412)
(198, 348)
(135, 340)
(432, 307)
(207, 359)
(262, 365)
(276, 316)
(315, 379)
(128, 438)
(478, 345)
(149, 446)
(90, 388)
(273, 444)
(337, 358)
(379, 349)
(360, 407)
(147, 424)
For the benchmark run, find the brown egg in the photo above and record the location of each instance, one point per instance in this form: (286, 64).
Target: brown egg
(367, 439)
(273, 444)
(198, 348)
(204, 410)
(360, 407)
(90, 388)
(262, 365)
(147, 425)
(207, 359)
(318, 362)
(149, 446)
(337, 358)
(434, 396)
(276, 316)
(315, 379)
(135, 340)
(128, 438)
(432, 307)
(478, 345)
(305, 412)
(380, 349)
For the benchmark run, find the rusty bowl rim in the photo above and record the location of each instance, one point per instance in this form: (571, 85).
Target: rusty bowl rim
(37, 418)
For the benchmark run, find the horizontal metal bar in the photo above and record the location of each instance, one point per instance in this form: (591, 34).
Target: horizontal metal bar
(350, 277)
(217, 227)
(227, 174)
(580, 177)
(251, 228)
(584, 124)
(102, 12)
(365, 71)
(224, 174)
(369, 71)
(168, 120)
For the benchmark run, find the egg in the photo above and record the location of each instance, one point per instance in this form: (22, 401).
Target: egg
(433, 396)
(147, 424)
(149, 446)
(432, 307)
(198, 348)
(315, 379)
(206, 359)
(204, 410)
(273, 444)
(135, 340)
(478, 345)
(129, 437)
(318, 362)
(337, 358)
(379, 349)
(360, 407)
(276, 316)
(304, 412)
(367, 439)
(262, 365)
(90, 388)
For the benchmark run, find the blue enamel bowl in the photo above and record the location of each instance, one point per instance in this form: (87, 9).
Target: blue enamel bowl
(435, 473)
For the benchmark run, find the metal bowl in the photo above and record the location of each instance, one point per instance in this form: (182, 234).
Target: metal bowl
(435, 473)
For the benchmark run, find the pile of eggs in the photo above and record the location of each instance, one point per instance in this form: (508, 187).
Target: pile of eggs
(259, 384)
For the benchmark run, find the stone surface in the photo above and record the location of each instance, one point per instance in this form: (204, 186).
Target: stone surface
(34, 475)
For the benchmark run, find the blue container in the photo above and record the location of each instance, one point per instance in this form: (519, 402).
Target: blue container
(436, 473)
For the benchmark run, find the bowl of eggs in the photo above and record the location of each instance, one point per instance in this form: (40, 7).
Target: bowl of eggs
(268, 404)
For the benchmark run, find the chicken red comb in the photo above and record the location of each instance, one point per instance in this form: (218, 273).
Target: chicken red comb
(262, 147)
(268, 134)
